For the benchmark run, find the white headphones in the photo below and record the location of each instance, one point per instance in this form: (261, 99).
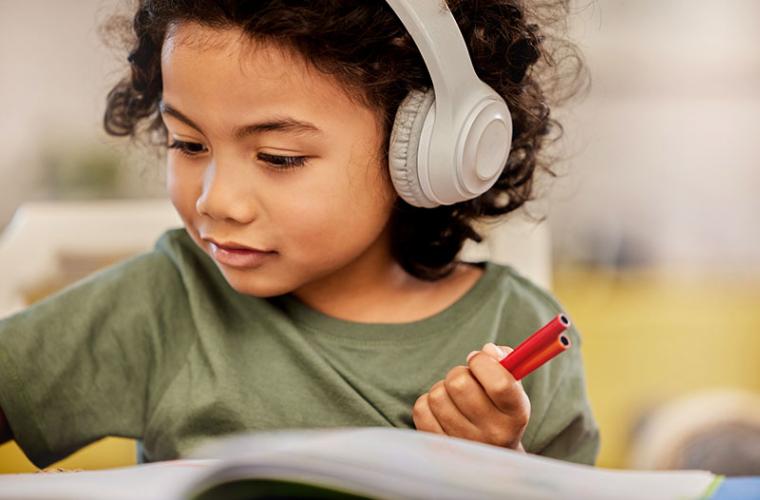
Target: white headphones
(451, 143)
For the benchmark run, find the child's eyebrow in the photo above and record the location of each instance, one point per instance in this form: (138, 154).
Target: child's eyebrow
(274, 124)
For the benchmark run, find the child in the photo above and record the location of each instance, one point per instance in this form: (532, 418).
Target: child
(354, 311)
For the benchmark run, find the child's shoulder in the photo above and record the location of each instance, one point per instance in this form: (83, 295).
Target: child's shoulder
(521, 286)
(178, 246)
(526, 302)
(172, 239)
(196, 269)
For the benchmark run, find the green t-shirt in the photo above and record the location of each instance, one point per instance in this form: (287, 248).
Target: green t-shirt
(161, 348)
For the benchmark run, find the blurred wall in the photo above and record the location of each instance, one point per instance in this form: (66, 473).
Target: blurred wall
(657, 242)
(54, 76)
(663, 164)
(665, 161)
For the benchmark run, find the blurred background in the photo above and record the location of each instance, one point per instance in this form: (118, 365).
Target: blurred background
(655, 238)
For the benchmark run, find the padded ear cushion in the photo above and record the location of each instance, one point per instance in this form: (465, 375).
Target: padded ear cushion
(404, 145)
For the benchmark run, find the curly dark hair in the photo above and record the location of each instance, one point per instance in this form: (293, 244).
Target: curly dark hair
(366, 48)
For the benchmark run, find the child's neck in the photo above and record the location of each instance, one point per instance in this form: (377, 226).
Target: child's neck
(389, 296)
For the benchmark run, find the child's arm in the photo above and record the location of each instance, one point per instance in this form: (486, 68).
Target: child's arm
(5, 429)
(92, 360)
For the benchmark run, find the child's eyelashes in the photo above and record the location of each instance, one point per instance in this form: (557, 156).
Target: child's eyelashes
(193, 149)
(187, 148)
(283, 162)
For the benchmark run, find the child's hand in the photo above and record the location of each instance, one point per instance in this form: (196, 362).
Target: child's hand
(481, 401)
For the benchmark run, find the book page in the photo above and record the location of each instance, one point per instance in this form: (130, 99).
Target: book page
(407, 463)
(379, 462)
(155, 481)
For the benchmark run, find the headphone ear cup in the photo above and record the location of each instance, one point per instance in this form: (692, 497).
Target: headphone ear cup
(404, 145)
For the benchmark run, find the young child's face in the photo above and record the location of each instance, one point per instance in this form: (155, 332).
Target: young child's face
(320, 218)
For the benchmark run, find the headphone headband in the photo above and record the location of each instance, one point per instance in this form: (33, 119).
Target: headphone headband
(437, 36)
(455, 146)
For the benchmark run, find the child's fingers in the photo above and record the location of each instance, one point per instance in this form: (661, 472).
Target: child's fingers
(471, 399)
(505, 392)
(424, 420)
(496, 352)
(451, 420)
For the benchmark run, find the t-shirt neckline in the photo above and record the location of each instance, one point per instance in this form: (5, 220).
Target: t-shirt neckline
(455, 314)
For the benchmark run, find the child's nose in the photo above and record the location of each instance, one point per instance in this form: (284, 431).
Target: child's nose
(226, 193)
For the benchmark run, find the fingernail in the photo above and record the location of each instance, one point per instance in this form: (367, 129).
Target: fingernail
(473, 353)
(500, 352)
(496, 350)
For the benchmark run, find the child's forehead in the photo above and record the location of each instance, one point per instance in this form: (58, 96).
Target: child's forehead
(230, 40)
(224, 84)
(192, 51)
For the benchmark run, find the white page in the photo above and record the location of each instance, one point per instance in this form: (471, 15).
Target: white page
(388, 462)
(155, 481)
(405, 462)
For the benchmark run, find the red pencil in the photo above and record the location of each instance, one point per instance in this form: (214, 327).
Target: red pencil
(539, 348)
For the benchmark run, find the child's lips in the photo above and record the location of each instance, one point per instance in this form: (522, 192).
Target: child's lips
(239, 257)
(233, 245)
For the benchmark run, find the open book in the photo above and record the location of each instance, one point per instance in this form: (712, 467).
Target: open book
(365, 462)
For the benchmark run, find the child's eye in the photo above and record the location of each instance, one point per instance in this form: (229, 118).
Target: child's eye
(187, 148)
(191, 149)
(283, 162)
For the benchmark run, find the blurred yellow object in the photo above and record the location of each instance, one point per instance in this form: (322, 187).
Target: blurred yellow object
(104, 454)
(650, 338)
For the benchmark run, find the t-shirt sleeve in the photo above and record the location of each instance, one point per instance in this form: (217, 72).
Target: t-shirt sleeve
(562, 424)
(84, 362)
(565, 426)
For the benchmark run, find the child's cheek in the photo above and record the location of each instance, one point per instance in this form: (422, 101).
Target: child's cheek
(317, 235)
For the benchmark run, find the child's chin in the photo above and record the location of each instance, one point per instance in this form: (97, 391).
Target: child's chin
(253, 282)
